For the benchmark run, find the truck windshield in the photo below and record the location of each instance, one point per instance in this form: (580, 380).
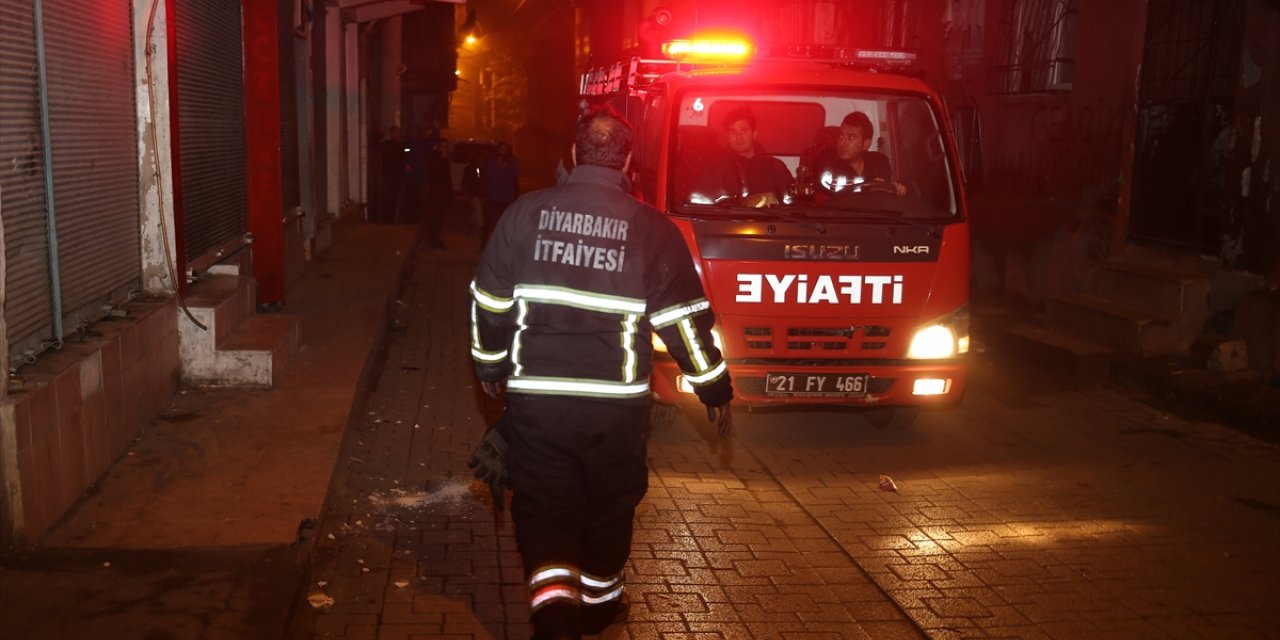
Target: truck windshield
(818, 155)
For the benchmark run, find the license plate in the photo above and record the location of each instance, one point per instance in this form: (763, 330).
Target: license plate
(815, 384)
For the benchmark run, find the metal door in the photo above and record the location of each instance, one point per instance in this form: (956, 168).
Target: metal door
(91, 171)
(27, 311)
(93, 133)
(211, 144)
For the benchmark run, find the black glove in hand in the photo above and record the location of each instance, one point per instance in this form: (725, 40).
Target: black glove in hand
(487, 463)
(722, 417)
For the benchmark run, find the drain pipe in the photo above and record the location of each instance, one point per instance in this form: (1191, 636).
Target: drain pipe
(51, 224)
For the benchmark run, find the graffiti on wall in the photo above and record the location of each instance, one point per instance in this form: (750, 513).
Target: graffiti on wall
(1059, 151)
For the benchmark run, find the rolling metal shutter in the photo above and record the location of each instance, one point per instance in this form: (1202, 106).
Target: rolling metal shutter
(93, 124)
(94, 149)
(210, 89)
(288, 109)
(27, 308)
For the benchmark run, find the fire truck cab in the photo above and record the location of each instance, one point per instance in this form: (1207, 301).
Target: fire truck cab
(823, 204)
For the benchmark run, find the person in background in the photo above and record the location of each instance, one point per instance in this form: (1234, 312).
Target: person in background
(473, 188)
(417, 159)
(391, 174)
(433, 134)
(440, 202)
(501, 176)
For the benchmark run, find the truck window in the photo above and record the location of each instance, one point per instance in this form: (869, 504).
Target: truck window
(650, 146)
(921, 152)
(821, 155)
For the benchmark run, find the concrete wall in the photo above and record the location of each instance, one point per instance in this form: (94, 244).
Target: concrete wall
(1049, 196)
(77, 410)
(1253, 199)
(1055, 188)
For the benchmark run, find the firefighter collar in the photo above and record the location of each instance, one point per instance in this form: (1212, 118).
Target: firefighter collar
(593, 174)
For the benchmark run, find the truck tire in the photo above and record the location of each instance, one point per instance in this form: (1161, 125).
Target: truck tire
(891, 417)
(662, 415)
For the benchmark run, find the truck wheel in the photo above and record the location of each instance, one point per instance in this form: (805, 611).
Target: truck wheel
(662, 415)
(892, 417)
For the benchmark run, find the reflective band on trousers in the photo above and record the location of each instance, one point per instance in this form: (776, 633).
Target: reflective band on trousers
(550, 573)
(552, 593)
(598, 590)
(596, 583)
(612, 594)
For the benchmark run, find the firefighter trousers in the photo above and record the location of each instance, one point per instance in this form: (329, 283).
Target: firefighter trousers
(577, 470)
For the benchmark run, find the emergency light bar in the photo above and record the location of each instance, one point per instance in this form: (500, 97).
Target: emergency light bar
(890, 56)
(707, 50)
(636, 74)
(877, 59)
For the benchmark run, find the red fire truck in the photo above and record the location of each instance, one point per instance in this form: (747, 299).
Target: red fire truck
(849, 283)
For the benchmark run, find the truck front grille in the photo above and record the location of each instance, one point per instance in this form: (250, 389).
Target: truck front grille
(851, 339)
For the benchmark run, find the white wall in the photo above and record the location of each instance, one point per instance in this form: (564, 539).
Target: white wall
(155, 160)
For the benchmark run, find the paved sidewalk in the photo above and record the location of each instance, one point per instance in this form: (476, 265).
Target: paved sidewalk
(195, 532)
(207, 529)
(409, 547)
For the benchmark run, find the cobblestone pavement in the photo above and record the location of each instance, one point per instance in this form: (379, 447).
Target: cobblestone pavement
(1028, 512)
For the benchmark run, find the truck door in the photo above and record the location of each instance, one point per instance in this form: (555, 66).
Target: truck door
(649, 141)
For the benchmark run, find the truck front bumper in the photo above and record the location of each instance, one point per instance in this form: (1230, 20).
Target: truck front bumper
(903, 383)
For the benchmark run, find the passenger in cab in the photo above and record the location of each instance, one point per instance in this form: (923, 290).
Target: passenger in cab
(746, 172)
(853, 165)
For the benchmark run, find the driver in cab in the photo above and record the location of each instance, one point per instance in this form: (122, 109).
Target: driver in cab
(854, 166)
(746, 172)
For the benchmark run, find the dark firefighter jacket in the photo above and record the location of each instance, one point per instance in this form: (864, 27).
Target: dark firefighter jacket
(571, 286)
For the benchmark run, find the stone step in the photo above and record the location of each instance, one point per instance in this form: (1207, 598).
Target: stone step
(1133, 330)
(220, 303)
(238, 347)
(1168, 290)
(1180, 260)
(257, 353)
(1065, 354)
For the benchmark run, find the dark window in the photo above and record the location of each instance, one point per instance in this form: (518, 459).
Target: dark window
(1036, 47)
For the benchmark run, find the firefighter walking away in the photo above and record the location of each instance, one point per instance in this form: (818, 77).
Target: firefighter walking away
(569, 290)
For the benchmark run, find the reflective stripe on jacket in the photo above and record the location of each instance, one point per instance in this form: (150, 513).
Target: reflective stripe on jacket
(571, 286)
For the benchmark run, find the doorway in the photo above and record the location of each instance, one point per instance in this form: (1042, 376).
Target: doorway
(1188, 86)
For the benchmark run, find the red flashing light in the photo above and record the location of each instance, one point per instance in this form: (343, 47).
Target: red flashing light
(708, 50)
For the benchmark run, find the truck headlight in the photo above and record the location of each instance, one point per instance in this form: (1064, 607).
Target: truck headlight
(658, 345)
(931, 343)
(945, 337)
